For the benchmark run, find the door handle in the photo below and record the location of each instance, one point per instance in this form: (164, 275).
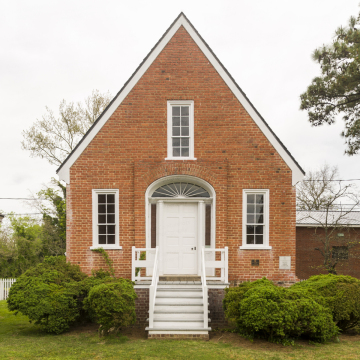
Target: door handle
(194, 248)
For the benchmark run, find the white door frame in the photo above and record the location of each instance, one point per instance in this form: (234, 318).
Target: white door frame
(159, 209)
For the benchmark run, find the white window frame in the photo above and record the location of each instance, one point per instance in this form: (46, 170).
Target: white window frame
(96, 245)
(170, 104)
(265, 245)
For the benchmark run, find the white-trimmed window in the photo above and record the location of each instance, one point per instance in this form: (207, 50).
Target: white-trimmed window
(180, 130)
(255, 233)
(105, 209)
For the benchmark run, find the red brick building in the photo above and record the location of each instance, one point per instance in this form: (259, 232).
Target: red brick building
(181, 160)
(344, 242)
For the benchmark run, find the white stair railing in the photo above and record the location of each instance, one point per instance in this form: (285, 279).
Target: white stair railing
(142, 258)
(222, 264)
(204, 289)
(153, 288)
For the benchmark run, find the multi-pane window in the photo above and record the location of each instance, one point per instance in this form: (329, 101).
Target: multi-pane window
(255, 219)
(255, 234)
(106, 218)
(180, 130)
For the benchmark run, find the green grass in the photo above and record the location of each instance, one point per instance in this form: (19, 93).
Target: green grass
(21, 340)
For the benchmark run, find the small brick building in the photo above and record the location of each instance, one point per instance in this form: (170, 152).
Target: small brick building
(344, 242)
(182, 160)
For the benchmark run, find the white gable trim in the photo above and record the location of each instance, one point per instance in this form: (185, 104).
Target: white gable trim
(64, 171)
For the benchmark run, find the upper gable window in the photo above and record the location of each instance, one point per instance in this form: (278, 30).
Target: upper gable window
(180, 130)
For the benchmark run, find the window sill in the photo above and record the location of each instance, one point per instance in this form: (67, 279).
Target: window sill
(106, 247)
(180, 158)
(254, 247)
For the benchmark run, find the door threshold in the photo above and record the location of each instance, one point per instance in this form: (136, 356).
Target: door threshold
(179, 278)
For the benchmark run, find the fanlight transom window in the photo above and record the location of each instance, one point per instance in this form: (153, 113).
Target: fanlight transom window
(182, 190)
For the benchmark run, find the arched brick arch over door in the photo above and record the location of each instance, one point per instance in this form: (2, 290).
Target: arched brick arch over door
(215, 173)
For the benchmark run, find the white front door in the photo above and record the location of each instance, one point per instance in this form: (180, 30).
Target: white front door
(180, 238)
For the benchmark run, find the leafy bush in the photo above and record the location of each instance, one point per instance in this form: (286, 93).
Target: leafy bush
(234, 295)
(113, 304)
(51, 294)
(261, 309)
(342, 296)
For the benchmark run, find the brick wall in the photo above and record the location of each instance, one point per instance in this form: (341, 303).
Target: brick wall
(217, 316)
(232, 154)
(142, 307)
(309, 261)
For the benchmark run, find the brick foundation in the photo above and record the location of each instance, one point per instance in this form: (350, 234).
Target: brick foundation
(142, 307)
(180, 336)
(217, 316)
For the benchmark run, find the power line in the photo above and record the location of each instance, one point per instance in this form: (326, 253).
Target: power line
(23, 199)
(324, 180)
(24, 214)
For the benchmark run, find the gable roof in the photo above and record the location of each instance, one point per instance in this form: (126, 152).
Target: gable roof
(315, 218)
(64, 170)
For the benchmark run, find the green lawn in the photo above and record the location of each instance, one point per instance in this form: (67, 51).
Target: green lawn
(21, 340)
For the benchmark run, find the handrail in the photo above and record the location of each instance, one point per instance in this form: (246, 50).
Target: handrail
(153, 288)
(222, 264)
(204, 289)
(138, 263)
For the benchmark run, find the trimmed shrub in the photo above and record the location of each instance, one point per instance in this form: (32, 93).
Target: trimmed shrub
(341, 294)
(279, 314)
(51, 294)
(234, 295)
(261, 309)
(113, 305)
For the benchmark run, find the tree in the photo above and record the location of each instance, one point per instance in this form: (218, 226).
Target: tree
(328, 203)
(337, 89)
(53, 138)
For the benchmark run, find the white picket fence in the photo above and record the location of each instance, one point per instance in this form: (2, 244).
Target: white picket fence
(5, 285)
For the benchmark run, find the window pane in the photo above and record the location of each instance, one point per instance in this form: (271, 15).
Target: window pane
(184, 121)
(102, 239)
(184, 151)
(250, 218)
(176, 142)
(110, 208)
(259, 199)
(101, 209)
(250, 239)
(101, 198)
(102, 229)
(176, 131)
(111, 219)
(111, 229)
(176, 151)
(111, 239)
(102, 219)
(111, 198)
(250, 208)
(184, 111)
(184, 131)
(250, 198)
(176, 121)
(259, 209)
(259, 219)
(250, 229)
(258, 239)
(185, 142)
(176, 110)
(259, 230)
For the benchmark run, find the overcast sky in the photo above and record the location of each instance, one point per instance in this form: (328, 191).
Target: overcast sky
(54, 50)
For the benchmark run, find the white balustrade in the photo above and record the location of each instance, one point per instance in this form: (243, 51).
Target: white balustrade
(137, 263)
(222, 264)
